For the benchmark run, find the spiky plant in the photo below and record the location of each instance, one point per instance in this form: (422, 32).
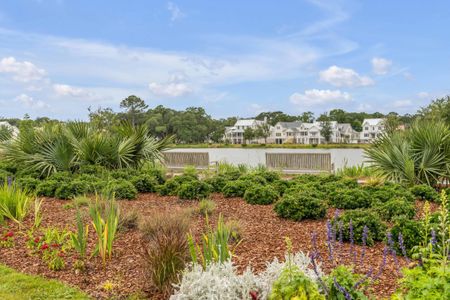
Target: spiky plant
(418, 155)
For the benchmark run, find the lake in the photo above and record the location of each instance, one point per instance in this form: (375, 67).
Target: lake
(254, 157)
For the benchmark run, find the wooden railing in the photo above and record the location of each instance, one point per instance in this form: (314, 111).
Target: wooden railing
(175, 160)
(300, 162)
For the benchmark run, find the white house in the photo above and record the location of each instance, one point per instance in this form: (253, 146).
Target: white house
(235, 134)
(309, 133)
(371, 129)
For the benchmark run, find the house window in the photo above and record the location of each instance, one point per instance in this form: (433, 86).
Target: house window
(366, 135)
(278, 127)
(278, 134)
(366, 128)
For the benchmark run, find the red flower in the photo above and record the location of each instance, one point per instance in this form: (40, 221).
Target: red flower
(55, 245)
(9, 234)
(61, 254)
(44, 247)
(254, 295)
(36, 240)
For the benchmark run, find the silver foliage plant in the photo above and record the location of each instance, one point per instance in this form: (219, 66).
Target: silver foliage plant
(223, 282)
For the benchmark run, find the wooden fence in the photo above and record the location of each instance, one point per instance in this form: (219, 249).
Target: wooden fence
(300, 162)
(176, 160)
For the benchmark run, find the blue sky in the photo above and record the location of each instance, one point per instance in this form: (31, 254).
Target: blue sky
(235, 58)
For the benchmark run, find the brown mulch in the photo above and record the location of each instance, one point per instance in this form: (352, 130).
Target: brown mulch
(263, 236)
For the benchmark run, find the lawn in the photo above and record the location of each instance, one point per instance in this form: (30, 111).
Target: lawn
(16, 286)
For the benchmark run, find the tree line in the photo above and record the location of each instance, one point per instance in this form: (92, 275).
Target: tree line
(194, 125)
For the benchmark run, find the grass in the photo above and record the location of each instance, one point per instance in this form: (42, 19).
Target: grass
(17, 286)
(288, 146)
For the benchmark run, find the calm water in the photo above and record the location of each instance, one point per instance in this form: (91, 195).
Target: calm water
(253, 157)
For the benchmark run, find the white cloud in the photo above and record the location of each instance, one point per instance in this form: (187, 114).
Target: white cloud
(402, 103)
(320, 97)
(381, 66)
(423, 95)
(23, 71)
(67, 90)
(170, 89)
(342, 77)
(29, 102)
(175, 12)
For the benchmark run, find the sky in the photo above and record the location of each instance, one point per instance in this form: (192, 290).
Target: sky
(234, 58)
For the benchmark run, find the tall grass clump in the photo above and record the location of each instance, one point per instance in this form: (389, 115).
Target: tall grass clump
(165, 248)
(14, 203)
(104, 214)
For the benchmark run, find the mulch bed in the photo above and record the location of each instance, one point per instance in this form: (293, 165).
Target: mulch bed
(263, 239)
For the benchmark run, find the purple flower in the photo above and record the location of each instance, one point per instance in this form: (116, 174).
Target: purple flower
(314, 245)
(402, 246)
(364, 241)
(392, 250)
(352, 241)
(363, 279)
(9, 180)
(341, 236)
(433, 238)
(383, 263)
(313, 257)
(342, 289)
(329, 240)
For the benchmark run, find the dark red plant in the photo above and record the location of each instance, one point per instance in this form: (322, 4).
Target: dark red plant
(254, 295)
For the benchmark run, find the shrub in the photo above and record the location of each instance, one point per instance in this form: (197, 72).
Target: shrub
(253, 178)
(235, 188)
(61, 176)
(395, 208)
(126, 174)
(259, 194)
(165, 248)
(411, 231)
(96, 170)
(269, 176)
(350, 198)
(361, 218)
(387, 192)
(424, 192)
(299, 207)
(157, 172)
(280, 186)
(80, 201)
(47, 188)
(28, 183)
(306, 189)
(343, 278)
(120, 189)
(170, 187)
(294, 284)
(194, 190)
(71, 189)
(206, 206)
(217, 182)
(235, 228)
(144, 183)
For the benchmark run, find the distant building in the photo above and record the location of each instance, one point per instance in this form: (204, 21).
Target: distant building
(371, 129)
(235, 134)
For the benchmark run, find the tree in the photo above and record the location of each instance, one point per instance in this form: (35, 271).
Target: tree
(306, 117)
(134, 106)
(326, 130)
(263, 131)
(391, 122)
(103, 118)
(275, 117)
(249, 134)
(439, 109)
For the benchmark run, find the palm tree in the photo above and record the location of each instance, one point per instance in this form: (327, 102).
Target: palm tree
(418, 155)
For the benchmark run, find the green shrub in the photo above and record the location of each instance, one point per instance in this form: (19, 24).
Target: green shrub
(28, 183)
(217, 182)
(144, 183)
(235, 188)
(126, 174)
(411, 231)
(71, 189)
(281, 186)
(350, 198)
(294, 284)
(269, 176)
(47, 188)
(14, 203)
(260, 194)
(170, 187)
(361, 218)
(298, 207)
(194, 190)
(61, 176)
(387, 192)
(156, 172)
(96, 170)
(347, 280)
(253, 178)
(424, 192)
(425, 283)
(120, 189)
(395, 208)
(306, 189)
